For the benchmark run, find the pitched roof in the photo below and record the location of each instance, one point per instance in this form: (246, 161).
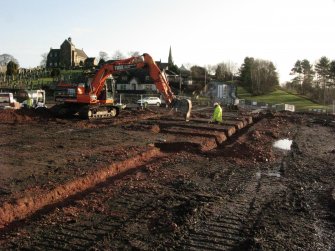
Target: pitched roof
(183, 68)
(91, 60)
(81, 53)
(69, 40)
(162, 65)
(171, 73)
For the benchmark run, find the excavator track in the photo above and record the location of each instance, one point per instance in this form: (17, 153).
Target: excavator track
(99, 112)
(86, 111)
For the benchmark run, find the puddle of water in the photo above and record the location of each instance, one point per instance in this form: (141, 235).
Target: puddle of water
(66, 130)
(270, 174)
(284, 144)
(274, 174)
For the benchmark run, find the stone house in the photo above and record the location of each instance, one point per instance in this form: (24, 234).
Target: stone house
(67, 56)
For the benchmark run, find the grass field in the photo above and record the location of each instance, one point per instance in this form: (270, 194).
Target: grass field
(280, 96)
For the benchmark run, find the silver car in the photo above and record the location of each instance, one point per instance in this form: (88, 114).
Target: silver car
(149, 101)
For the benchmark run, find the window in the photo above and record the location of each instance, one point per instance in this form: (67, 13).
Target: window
(147, 78)
(122, 87)
(124, 78)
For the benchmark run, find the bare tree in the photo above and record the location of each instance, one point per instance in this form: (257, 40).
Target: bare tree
(103, 55)
(118, 55)
(134, 54)
(6, 58)
(44, 60)
(263, 77)
(188, 66)
(211, 68)
(226, 71)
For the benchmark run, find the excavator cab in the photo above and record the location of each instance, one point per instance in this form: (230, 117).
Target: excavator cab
(73, 98)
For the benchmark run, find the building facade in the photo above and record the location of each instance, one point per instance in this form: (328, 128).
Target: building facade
(68, 56)
(139, 81)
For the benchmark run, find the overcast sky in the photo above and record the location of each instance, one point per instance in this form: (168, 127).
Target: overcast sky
(199, 32)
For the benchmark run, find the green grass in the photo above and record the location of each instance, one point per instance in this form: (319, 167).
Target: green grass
(280, 96)
(67, 72)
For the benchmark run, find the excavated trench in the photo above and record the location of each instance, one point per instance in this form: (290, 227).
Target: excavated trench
(185, 197)
(196, 136)
(23, 207)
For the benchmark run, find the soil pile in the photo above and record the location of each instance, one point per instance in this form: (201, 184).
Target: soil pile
(24, 115)
(13, 116)
(256, 145)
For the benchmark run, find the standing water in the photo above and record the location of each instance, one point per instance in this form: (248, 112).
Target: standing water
(284, 144)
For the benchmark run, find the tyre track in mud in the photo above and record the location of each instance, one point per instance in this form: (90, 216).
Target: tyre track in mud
(225, 228)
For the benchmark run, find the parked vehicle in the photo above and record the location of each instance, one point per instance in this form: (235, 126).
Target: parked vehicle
(22, 99)
(7, 101)
(31, 98)
(150, 101)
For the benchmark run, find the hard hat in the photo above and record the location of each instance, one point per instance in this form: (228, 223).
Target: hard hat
(216, 103)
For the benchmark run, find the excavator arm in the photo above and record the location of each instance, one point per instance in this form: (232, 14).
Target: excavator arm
(159, 78)
(162, 84)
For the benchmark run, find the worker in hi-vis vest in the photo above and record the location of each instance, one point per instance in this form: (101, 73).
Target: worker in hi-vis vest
(217, 114)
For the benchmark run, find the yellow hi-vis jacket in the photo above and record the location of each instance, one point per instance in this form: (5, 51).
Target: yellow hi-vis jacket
(217, 115)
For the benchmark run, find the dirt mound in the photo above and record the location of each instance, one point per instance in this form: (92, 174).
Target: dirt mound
(256, 145)
(13, 116)
(24, 115)
(250, 151)
(155, 129)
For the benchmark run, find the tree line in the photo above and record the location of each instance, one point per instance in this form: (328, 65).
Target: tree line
(317, 81)
(257, 76)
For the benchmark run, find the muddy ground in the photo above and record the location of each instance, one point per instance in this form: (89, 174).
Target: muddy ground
(178, 192)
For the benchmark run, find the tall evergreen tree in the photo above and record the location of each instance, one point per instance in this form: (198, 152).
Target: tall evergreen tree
(245, 72)
(332, 71)
(12, 69)
(308, 75)
(322, 69)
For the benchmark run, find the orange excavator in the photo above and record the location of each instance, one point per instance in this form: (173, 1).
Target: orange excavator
(90, 100)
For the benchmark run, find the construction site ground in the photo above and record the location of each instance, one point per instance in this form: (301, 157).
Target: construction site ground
(148, 180)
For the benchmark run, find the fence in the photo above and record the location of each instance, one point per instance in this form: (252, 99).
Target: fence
(255, 105)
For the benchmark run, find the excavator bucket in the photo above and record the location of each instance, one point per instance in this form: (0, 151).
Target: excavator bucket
(184, 106)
